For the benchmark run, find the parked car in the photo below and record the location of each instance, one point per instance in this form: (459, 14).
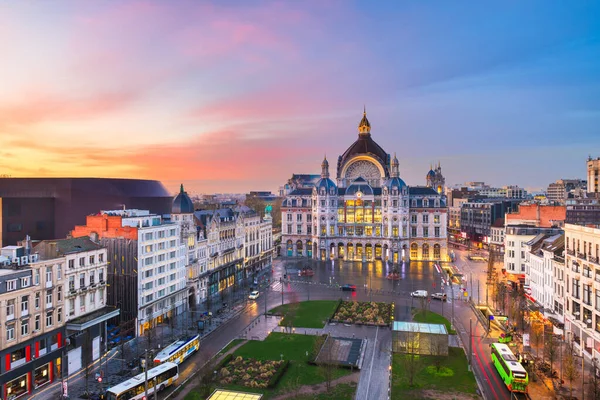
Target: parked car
(439, 296)
(254, 295)
(349, 288)
(419, 293)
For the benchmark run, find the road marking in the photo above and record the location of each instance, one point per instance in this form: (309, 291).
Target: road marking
(372, 359)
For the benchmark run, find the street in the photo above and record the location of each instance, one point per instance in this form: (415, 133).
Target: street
(370, 279)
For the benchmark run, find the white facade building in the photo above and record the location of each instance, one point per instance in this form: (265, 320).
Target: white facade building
(582, 299)
(541, 261)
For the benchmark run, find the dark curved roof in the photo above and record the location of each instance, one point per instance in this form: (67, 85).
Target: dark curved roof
(325, 183)
(182, 203)
(397, 182)
(367, 146)
(359, 185)
(431, 173)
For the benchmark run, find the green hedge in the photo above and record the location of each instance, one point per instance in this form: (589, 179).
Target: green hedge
(277, 376)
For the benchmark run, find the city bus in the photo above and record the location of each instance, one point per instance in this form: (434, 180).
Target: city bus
(135, 388)
(510, 369)
(178, 351)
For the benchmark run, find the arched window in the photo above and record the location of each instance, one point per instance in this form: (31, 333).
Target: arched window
(436, 251)
(414, 251)
(425, 255)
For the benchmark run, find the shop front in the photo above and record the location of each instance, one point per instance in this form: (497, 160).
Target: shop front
(18, 387)
(42, 375)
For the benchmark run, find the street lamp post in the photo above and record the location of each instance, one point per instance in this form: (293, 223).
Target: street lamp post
(452, 319)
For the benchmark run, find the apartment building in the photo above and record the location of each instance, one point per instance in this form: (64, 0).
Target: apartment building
(524, 224)
(33, 322)
(84, 287)
(258, 240)
(147, 260)
(582, 297)
(225, 233)
(541, 254)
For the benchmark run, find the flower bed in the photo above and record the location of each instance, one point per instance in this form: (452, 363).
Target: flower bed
(252, 373)
(364, 313)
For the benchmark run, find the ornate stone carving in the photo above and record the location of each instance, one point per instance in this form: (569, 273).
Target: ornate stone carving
(363, 168)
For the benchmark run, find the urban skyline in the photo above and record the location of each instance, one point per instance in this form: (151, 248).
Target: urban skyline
(193, 92)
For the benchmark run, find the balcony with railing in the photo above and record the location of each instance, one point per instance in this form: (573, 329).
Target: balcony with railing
(570, 252)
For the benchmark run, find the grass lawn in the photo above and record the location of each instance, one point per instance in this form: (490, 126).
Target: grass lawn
(231, 345)
(453, 376)
(343, 391)
(299, 372)
(432, 318)
(308, 314)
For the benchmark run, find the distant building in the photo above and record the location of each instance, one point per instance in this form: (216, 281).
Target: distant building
(477, 217)
(593, 171)
(265, 196)
(48, 208)
(583, 211)
(563, 189)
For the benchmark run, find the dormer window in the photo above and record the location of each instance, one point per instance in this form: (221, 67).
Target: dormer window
(322, 192)
(414, 203)
(425, 202)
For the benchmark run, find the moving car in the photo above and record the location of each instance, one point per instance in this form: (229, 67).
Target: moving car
(419, 293)
(439, 296)
(254, 295)
(349, 288)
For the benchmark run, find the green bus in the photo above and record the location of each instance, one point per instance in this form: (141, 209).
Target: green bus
(510, 369)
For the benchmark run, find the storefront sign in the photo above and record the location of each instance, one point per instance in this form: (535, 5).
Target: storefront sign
(65, 389)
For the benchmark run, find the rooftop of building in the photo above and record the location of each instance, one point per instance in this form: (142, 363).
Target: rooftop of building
(50, 249)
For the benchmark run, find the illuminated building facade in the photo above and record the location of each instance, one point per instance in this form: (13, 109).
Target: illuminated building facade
(370, 213)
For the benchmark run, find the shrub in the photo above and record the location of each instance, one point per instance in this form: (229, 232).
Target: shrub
(223, 362)
(277, 375)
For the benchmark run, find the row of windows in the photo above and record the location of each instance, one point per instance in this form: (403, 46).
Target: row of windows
(91, 260)
(91, 279)
(159, 235)
(24, 324)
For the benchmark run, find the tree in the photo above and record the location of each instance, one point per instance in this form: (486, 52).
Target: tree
(537, 332)
(501, 295)
(206, 379)
(437, 348)
(551, 351)
(86, 356)
(411, 359)
(423, 304)
(326, 359)
(570, 367)
(290, 314)
(593, 392)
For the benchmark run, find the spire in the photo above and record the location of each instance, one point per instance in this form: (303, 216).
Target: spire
(395, 167)
(325, 168)
(364, 127)
(181, 189)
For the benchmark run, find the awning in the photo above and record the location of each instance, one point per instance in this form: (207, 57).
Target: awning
(93, 318)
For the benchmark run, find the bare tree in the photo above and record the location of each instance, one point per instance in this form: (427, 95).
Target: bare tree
(570, 367)
(289, 315)
(423, 305)
(205, 378)
(326, 360)
(501, 295)
(411, 360)
(593, 392)
(88, 366)
(150, 335)
(436, 348)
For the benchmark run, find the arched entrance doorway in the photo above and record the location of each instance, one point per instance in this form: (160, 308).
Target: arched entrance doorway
(290, 248)
(299, 249)
(332, 251)
(309, 251)
(350, 251)
(425, 255)
(359, 251)
(378, 252)
(369, 251)
(436, 252)
(414, 251)
(341, 250)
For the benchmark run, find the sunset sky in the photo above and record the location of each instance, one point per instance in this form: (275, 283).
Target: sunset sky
(231, 96)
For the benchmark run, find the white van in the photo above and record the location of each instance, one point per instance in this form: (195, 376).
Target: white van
(419, 293)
